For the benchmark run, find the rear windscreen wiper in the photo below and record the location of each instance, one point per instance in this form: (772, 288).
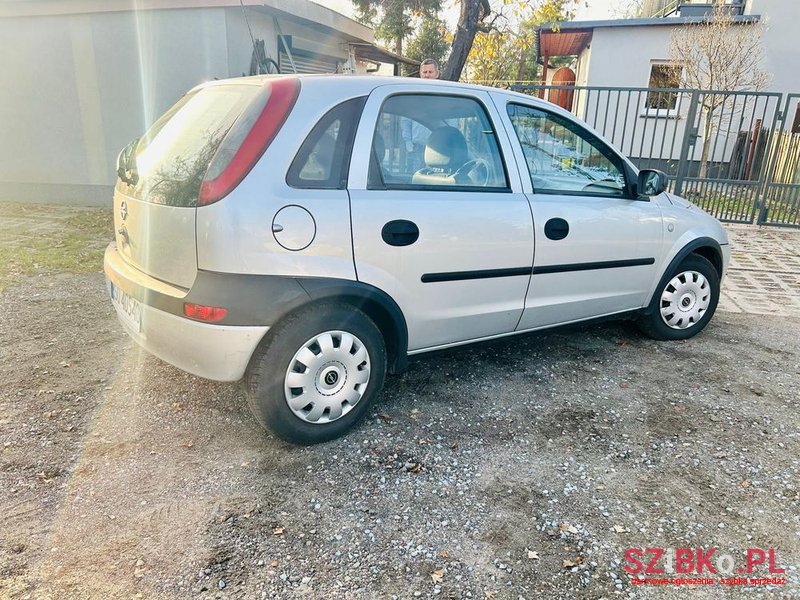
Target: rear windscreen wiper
(126, 163)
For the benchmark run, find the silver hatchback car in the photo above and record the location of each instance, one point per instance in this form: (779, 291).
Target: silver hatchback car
(309, 233)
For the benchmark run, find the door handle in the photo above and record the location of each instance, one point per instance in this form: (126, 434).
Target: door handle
(556, 229)
(400, 233)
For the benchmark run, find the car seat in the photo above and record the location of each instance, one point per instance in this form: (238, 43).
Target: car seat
(445, 153)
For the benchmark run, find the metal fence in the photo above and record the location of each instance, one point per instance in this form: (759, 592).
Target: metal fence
(736, 154)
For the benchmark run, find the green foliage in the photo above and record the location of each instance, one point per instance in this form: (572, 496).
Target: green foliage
(550, 11)
(393, 20)
(507, 51)
(430, 42)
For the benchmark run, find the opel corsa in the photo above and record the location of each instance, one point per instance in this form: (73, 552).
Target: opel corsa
(310, 233)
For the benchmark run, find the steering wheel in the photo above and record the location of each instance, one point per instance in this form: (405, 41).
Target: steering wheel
(477, 165)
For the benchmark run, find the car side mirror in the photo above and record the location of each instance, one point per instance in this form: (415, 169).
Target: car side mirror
(652, 182)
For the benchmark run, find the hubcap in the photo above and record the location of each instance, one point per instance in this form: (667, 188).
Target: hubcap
(685, 300)
(327, 377)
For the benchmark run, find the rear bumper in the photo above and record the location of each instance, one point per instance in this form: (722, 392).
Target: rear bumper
(218, 352)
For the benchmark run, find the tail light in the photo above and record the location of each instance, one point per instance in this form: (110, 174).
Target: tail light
(247, 140)
(200, 312)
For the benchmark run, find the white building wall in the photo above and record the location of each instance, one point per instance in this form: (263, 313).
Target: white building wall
(80, 86)
(582, 66)
(622, 57)
(781, 42)
(240, 47)
(77, 87)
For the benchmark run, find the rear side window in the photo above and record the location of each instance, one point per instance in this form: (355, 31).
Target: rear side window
(323, 160)
(172, 158)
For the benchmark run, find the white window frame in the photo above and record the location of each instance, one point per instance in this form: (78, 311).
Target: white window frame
(661, 113)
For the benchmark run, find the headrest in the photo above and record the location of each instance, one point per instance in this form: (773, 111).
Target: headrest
(446, 148)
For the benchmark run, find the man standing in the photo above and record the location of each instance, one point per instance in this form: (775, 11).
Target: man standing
(429, 69)
(415, 134)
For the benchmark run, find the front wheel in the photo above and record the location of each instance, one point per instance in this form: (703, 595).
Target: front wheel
(317, 373)
(684, 302)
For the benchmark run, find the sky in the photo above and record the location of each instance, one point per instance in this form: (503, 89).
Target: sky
(588, 9)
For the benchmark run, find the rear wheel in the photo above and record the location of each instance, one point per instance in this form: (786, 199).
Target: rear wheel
(317, 373)
(684, 302)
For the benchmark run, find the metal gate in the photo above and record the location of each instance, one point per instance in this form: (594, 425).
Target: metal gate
(781, 198)
(732, 153)
(724, 155)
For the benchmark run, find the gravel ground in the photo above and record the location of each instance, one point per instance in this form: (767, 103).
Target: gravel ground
(518, 469)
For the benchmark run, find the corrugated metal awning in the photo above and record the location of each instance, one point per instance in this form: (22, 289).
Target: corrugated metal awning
(374, 53)
(306, 62)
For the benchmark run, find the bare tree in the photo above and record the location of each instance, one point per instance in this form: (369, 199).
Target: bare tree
(719, 53)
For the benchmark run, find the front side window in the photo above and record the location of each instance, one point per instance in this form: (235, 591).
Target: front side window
(564, 158)
(435, 142)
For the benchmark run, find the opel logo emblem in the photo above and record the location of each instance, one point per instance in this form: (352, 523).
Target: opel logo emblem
(123, 210)
(331, 378)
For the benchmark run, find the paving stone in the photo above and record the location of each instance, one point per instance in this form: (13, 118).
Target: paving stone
(764, 274)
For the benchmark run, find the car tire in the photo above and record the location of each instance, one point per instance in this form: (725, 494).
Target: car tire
(684, 301)
(316, 373)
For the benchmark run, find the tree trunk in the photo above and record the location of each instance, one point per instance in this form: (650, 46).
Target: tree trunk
(462, 42)
(709, 114)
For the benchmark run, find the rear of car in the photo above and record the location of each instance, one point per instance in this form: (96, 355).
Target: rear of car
(192, 157)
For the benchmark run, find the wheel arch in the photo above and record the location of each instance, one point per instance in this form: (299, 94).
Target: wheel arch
(375, 303)
(706, 247)
(712, 254)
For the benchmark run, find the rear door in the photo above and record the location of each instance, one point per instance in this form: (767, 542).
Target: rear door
(439, 219)
(597, 246)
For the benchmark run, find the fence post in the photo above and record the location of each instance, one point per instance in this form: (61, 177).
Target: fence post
(772, 151)
(689, 140)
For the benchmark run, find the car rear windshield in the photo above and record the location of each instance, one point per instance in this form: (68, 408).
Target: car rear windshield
(168, 164)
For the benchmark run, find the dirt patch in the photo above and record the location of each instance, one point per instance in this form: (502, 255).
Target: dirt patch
(522, 468)
(38, 238)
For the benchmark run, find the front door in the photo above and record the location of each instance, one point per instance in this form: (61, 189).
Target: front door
(596, 244)
(439, 222)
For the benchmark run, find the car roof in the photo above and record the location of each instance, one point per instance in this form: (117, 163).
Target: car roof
(364, 84)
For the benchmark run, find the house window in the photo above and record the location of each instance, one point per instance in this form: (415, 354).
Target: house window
(663, 76)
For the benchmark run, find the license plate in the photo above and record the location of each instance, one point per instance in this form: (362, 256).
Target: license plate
(128, 308)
